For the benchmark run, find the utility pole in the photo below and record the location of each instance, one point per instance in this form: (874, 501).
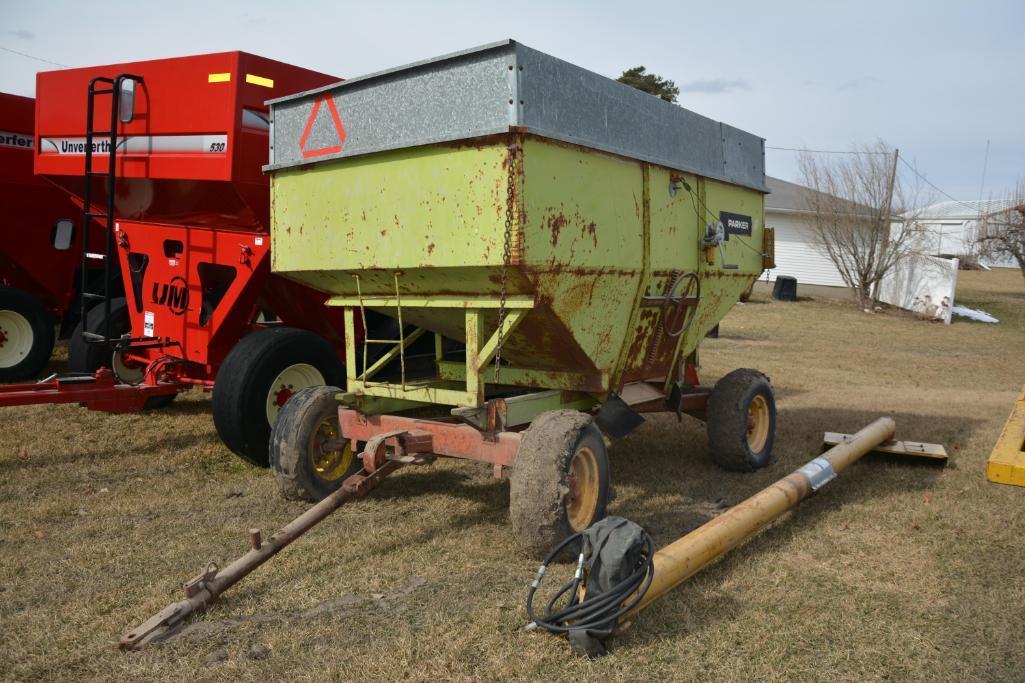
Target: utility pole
(889, 193)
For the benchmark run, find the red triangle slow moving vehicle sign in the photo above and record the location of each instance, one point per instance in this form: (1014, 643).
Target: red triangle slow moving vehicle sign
(339, 128)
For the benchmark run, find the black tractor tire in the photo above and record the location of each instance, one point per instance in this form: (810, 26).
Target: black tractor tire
(244, 383)
(27, 330)
(742, 396)
(540, 489)
(301, 469)
(90, 357)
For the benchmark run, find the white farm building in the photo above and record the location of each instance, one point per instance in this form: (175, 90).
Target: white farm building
(796, 252)
(952, 229)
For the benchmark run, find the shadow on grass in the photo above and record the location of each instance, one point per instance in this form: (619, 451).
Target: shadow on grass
(180, 407)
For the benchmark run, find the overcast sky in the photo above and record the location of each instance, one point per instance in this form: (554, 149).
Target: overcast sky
(934, 78)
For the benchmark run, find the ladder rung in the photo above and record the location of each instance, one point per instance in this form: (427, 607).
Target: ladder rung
(96, 257)
(93, 295)
(102, 92)
(90, 214)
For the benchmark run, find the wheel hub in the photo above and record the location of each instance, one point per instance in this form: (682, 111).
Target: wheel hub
(16, 338)
(329, 465)
(289, 381)
(284, 393)
(583, 481)
(757, 424)
(127, 370)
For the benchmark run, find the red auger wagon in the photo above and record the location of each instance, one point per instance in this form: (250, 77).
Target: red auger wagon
(40, 251)
(165, 158)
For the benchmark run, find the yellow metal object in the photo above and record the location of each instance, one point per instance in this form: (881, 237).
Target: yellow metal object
(686, 556)
(218, 78)
(584, 484)
(260, 80)
(710, 255)
(758, 422)
(330, 465)
(1007, 461)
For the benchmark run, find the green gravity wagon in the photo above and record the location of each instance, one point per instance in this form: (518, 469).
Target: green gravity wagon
(565, 240)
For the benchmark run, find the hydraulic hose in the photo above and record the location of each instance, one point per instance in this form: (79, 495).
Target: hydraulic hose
(596, 611)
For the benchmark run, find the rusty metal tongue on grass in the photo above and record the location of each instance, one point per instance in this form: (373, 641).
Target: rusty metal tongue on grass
(204, 589)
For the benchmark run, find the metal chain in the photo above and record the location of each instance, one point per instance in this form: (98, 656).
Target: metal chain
(506, 255)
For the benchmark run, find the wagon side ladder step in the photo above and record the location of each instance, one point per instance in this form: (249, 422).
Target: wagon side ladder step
(399, 345)
(99, 87)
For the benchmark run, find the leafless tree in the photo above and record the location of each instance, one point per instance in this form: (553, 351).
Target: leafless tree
(853, 201)
(1002, 234)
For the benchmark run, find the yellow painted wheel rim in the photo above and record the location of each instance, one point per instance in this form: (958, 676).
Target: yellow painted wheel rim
(584, 487)
(329, 465)
(758, 424)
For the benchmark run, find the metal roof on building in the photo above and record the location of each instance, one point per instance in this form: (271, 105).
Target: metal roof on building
(791, 197)
(963, 210)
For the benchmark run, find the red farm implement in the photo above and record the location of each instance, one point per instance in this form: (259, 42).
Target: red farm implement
(40, 251)
(164, 157)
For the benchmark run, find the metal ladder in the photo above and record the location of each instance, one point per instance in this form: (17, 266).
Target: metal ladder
(104, 218)
(400, 343)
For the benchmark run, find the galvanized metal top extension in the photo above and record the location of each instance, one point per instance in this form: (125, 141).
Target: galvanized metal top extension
(497, 87)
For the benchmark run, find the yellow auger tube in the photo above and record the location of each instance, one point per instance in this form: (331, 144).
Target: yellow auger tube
(688, 555)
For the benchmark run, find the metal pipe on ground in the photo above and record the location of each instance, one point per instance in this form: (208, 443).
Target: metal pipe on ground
(203, 590)
(688, 555)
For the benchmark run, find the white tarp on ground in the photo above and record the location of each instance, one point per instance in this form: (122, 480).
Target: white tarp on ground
(974, 314)
(923, 284)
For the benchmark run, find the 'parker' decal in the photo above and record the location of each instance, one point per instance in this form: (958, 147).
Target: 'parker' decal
(735, 223)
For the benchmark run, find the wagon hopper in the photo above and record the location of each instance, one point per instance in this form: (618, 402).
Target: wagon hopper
(577, 238)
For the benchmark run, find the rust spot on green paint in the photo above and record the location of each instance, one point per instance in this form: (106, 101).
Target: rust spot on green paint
(555, 224)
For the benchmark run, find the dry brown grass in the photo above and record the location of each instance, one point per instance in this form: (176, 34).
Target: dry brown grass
(895, 571)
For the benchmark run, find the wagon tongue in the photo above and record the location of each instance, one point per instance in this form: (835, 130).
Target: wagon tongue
(383, 454)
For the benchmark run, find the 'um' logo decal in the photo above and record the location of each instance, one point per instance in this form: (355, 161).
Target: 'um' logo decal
(174, 295)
